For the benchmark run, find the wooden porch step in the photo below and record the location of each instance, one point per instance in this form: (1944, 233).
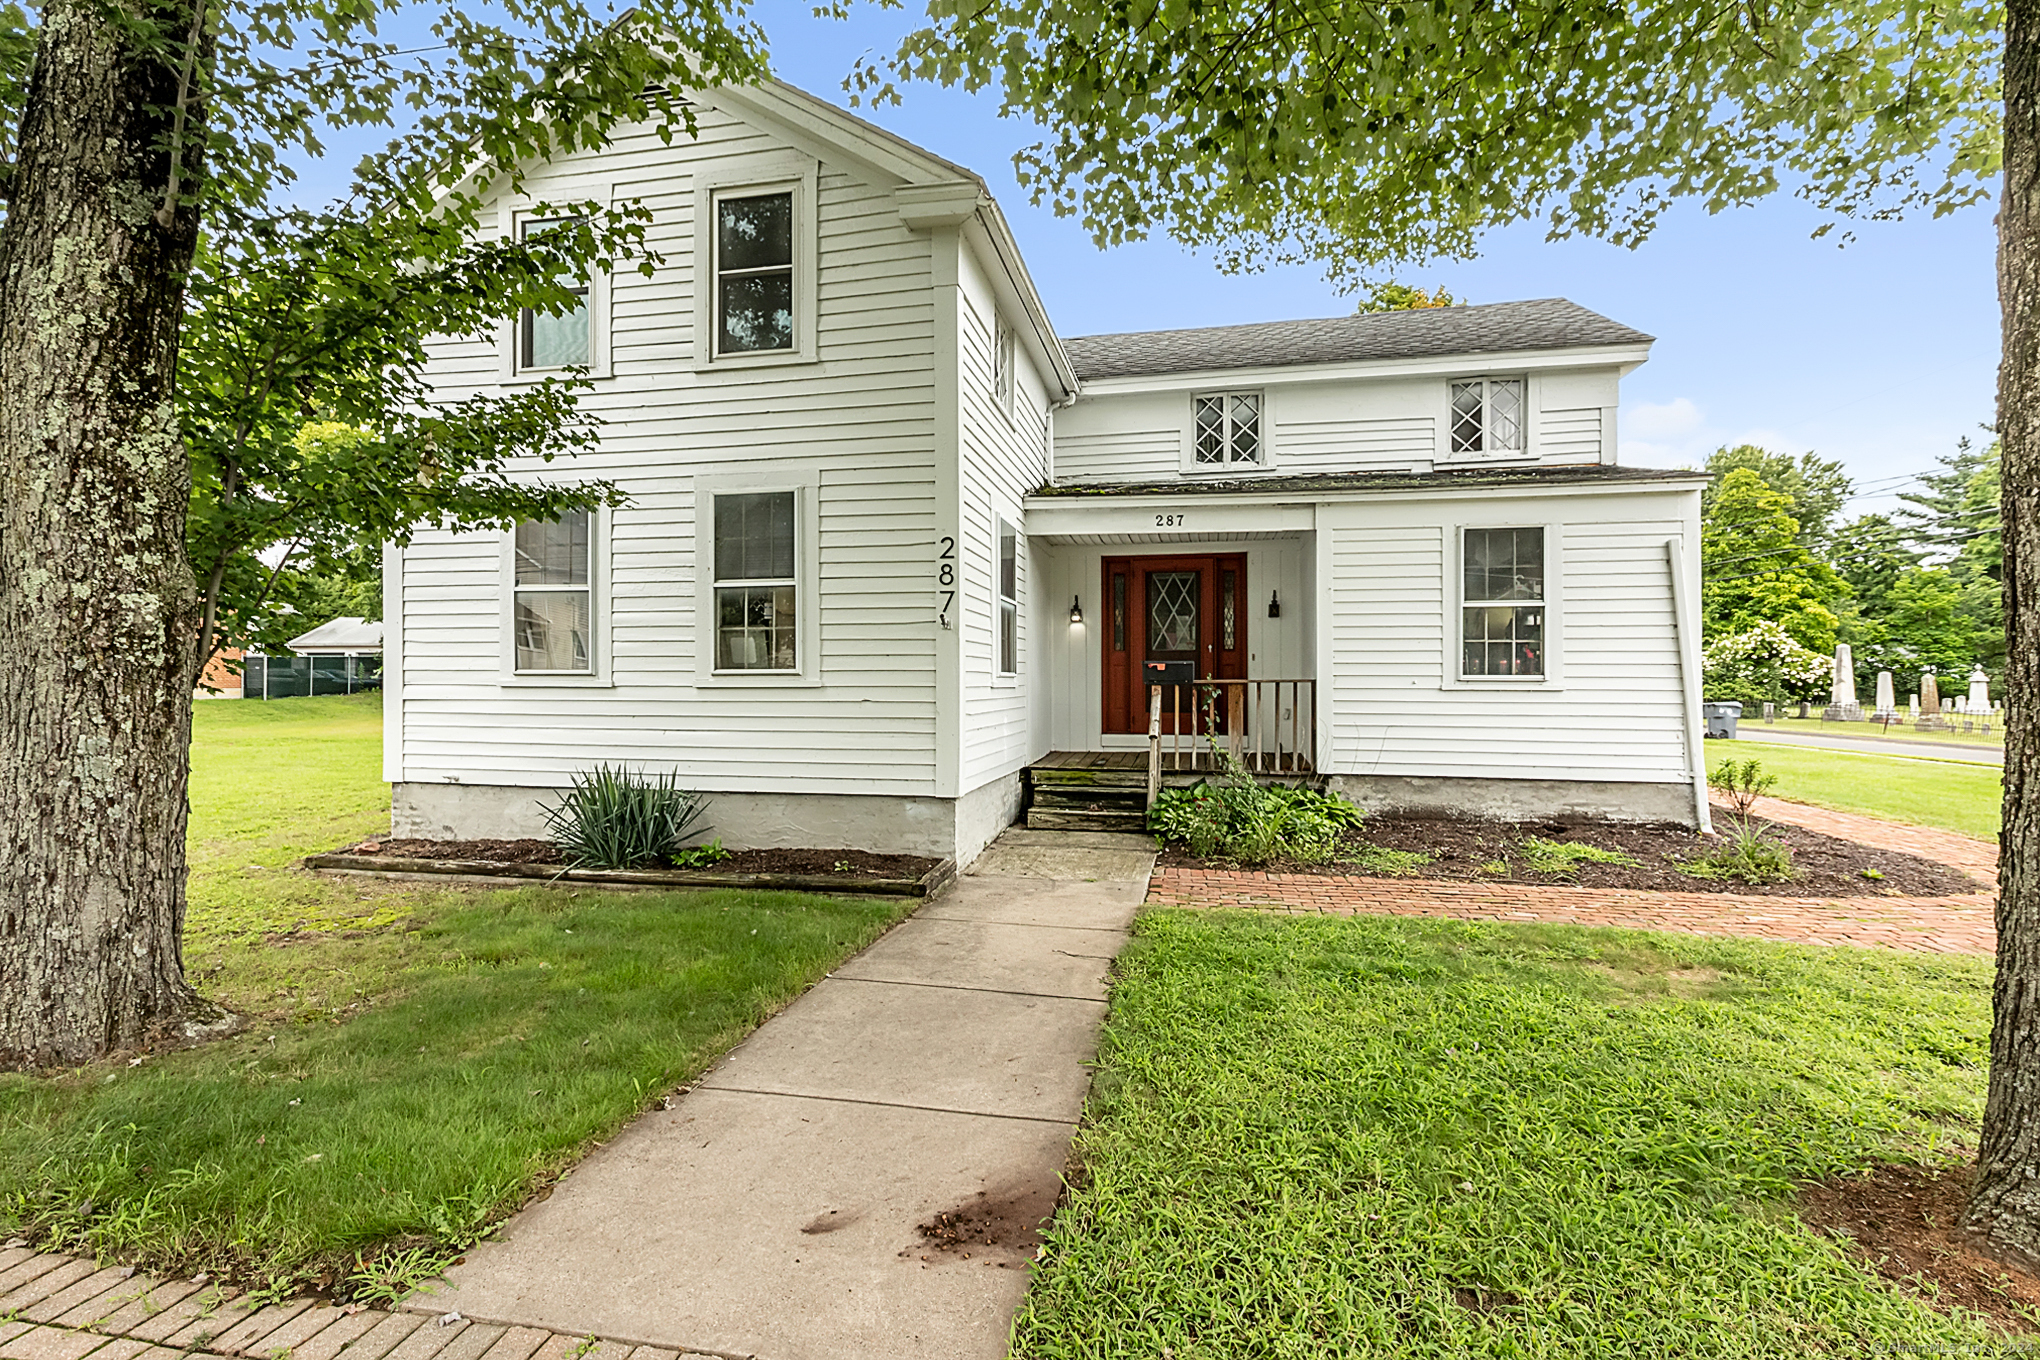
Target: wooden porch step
(1131, 798)
(1083, 819)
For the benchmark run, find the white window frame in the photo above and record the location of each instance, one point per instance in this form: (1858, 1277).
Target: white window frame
(1456, 604)
(1486, 453)
(511, 221)
(598, 675)
(750, 177)
(1189, 464)
(1006, 606)
(805, 486)
(1004, 357)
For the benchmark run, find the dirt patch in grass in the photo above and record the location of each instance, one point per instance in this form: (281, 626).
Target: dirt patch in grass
(1002, 1223)
(1904, 1222)
(1467, 850)
(846, 864)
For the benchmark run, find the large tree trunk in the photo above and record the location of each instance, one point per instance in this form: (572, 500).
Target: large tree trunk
(97, 606)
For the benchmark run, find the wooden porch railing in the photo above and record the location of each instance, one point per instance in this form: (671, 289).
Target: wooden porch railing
(1270, 726)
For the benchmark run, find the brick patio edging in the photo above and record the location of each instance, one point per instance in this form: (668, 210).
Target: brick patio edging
(55, 1307)
(1943, 925)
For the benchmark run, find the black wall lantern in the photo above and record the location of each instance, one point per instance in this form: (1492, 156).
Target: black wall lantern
(1274, 606)
(1076, 609)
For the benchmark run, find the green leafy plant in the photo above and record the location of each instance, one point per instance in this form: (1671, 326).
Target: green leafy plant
(1562, 857)
(1742, 782)
(1379, 859)
(1240, 820)
(1495, 866)
(699, 856)
(1747, 852)
(614, 818)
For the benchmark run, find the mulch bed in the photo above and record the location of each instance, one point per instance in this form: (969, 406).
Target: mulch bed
(1826, 866)
(849, 865)
(1904, 1222)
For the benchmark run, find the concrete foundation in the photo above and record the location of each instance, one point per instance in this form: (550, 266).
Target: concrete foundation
(948, 828)
(1518, 799)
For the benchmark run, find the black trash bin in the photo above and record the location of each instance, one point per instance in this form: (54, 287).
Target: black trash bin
(1721, 717)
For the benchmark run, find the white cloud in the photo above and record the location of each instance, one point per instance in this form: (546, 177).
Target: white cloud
(1660, 422)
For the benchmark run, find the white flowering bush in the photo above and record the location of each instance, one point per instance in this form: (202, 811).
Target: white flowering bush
(1763, 663)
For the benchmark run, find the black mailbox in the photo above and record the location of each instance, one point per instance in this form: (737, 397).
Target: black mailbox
(1169, 672)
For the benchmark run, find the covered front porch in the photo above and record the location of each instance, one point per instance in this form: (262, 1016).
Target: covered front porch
(1158, 635)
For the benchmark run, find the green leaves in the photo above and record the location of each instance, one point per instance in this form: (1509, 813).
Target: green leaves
(1360, 136)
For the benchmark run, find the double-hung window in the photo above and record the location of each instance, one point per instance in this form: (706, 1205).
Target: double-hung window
(553, 612)
(754, 273)
(756, 582)
(563, 341)
(1487, 416)
(1009, 599)
(1502, 604)
(1228, 428)
(1002, 367)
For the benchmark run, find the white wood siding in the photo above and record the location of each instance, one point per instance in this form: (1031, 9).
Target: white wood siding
(1002, 459)
(1324, 426)
(1614, 711)
(859, 424)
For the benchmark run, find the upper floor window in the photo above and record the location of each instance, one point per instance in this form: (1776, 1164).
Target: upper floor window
(1487, 415)
(1009, 599)
(553, 613)
(1502, 604)
(754, 273)
(1229, 428)
(756, 582)
(563, 341)
(1002, 367)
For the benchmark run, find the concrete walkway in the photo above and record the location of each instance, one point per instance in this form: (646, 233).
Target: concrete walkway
(1903, 748)
(773, 1210)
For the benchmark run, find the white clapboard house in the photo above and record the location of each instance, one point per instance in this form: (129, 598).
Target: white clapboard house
(895, 550)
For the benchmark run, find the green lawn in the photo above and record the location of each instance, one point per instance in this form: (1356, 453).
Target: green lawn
(1952, 795)
(1901, 731)
(1396, 1138)
(421, 1058)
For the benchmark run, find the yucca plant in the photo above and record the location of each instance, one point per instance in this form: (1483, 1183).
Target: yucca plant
(623, 819)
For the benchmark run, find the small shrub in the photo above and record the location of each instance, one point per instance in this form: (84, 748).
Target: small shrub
(1379, 859)
(1746, 855)
(699, 856)
(1562, 857)
(617, 819)
(1239, 820)
(1743, 782)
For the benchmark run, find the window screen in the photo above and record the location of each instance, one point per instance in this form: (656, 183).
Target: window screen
(756, 590)
(562, 341)
(1502, 618)
(553, 611)
(754, 273)
(1009, 599)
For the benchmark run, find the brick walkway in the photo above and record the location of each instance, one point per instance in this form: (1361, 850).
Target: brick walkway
(1942, 925)
(63, 1308)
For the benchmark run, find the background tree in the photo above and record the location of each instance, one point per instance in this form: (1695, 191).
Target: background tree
(1756, 569)
(1814, 488)
(134, 133)
(1363, 138)
(1405, 297)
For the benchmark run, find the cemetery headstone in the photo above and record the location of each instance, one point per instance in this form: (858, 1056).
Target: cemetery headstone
(1979, 691)
(1930, 719)
(1887, 709)
(1842, 705)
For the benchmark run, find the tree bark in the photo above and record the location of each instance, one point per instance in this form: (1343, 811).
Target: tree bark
(97, 604)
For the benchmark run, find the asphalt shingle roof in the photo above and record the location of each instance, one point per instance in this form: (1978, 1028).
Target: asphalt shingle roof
(1545, 323)
(1575, 474)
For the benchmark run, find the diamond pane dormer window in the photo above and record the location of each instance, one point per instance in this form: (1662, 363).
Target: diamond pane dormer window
(1228, 428)
(1487, 416)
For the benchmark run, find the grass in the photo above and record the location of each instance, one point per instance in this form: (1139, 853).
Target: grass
(1367, 1137)
(1940, 793)
(421, 1059)
(1380, 859)
(1562, 857)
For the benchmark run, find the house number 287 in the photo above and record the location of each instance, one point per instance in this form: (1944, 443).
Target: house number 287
(945, 579)
(1171, 521)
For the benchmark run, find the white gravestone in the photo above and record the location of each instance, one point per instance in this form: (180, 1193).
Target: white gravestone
(1979, 691)
(1842, 705)
(1887, 708)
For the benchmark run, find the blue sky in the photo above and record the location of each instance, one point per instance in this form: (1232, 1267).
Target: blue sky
(1881, 353)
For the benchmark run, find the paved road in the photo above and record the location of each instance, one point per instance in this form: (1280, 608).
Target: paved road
(1925, 749)
(773, 1210)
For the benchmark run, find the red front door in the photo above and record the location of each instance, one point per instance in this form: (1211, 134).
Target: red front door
(1171, 621)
